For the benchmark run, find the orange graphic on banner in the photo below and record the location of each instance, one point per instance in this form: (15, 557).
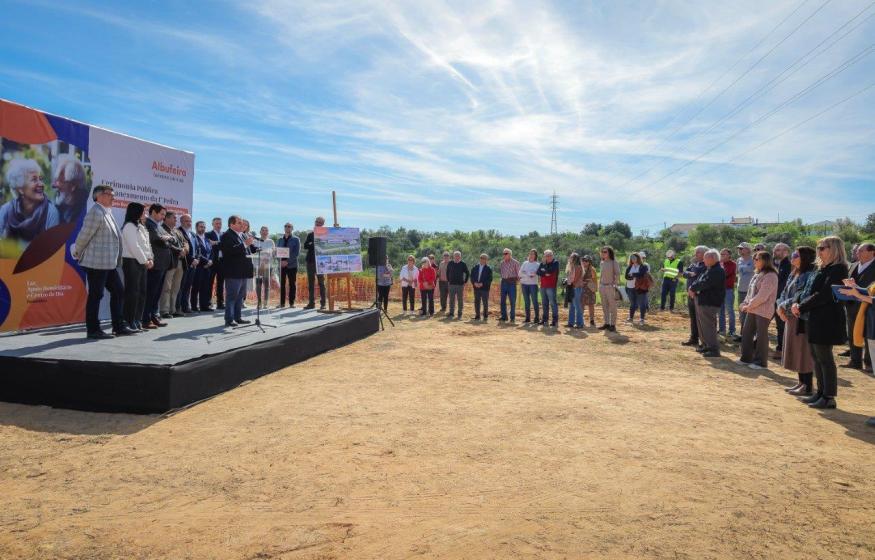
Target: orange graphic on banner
(51, 293)
(24, 125)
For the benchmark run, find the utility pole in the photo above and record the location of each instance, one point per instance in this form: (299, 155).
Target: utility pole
(554, 205)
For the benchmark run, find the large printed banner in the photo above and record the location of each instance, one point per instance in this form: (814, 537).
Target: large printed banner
(48, 165)
(337, 250)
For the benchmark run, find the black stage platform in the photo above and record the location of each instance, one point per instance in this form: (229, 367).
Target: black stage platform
(189, 360)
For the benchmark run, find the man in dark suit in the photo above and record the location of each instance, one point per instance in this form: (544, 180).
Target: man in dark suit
(863, 272)
(186, 235)
(200, 288)
(310, 245)
(216, 275)
(237, 269)
(481, 279)
(160, 240)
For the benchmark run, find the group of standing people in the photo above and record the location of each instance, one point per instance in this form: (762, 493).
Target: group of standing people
(817, 299)
(537, 279)
(171, 267)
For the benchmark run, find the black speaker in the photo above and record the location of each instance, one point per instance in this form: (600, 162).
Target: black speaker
(377, 251)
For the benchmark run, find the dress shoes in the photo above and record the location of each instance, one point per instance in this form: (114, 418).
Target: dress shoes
(823, 403)
(310, 306)
(158, 322)
(801, 391)
(686, 343)
(122, 331)
(99, 335)
(230, 324)
(604, 327)
(243, 321)
(851, 365)
(711, 353)
(812, 399)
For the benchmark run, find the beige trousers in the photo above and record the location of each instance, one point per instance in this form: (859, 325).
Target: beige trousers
(609, 304)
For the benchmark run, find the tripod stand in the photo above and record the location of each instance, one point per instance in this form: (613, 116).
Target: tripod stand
(377, 305)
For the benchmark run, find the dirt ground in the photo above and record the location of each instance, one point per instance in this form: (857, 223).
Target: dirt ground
(458, 440)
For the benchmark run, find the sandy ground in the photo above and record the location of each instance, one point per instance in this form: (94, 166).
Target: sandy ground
(444, 439)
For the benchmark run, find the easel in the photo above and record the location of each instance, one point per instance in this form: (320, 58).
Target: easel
(333, 284)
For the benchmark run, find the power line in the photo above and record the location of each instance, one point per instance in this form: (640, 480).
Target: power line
(738, 79)
(554, 205)
(776, 81)
(780, 134)
(817, 83)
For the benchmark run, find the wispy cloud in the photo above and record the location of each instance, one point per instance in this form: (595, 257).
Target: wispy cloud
(484, 109)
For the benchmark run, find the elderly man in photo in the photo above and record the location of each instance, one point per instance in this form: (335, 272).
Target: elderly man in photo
(30, 212)
(98, 249)
(70, 185)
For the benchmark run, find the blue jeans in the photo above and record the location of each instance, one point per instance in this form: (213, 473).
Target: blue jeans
(637, 300)
(508, 289)
(235, 293)
(530, 299)
(575, 311)
(669, 288)
(728, 307)
(548, 296)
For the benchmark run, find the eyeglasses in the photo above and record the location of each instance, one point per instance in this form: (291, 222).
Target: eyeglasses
(822, 247)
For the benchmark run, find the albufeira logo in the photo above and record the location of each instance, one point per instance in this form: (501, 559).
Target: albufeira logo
(159, 167)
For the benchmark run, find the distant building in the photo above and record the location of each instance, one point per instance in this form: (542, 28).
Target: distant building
(684, 229)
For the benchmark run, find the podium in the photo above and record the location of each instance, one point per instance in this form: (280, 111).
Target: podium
(263, 267)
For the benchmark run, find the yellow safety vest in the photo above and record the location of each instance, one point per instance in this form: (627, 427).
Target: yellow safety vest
(670, 269)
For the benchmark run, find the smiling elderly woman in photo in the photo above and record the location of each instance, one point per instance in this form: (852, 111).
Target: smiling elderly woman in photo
(30, 212)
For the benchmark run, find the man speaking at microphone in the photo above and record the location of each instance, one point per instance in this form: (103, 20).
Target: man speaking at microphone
(237, 269)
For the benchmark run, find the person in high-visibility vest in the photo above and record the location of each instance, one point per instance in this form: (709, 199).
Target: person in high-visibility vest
(671, 268)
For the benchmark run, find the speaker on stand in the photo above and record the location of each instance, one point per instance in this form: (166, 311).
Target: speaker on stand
(377, 257)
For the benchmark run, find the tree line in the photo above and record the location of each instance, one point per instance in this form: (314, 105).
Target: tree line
(403, 241)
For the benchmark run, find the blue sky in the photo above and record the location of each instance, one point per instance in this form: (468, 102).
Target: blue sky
(468, 115)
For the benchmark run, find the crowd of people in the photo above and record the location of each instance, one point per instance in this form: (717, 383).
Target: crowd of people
(172, 267)
(817, 298)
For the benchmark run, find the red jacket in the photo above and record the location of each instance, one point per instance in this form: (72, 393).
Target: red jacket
(427, 275)
(729, 269)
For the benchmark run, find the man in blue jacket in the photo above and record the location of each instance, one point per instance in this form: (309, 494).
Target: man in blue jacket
(289, 267)
(481, 279)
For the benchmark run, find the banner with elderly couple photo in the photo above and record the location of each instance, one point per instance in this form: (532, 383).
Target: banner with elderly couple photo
(48, 165)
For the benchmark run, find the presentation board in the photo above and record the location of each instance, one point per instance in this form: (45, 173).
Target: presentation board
(337, 250)
(48, 165)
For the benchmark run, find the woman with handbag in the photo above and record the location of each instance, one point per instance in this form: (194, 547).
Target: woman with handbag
(427, 281)
(795, 353)
(637, 286)
(575, 283)
(608, 288)
(827, 325)
(759, 304)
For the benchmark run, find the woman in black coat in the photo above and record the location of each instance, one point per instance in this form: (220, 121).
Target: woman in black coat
(826, 325)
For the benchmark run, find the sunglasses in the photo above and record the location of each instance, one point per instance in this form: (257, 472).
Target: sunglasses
(822, 247)
(794, 256)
